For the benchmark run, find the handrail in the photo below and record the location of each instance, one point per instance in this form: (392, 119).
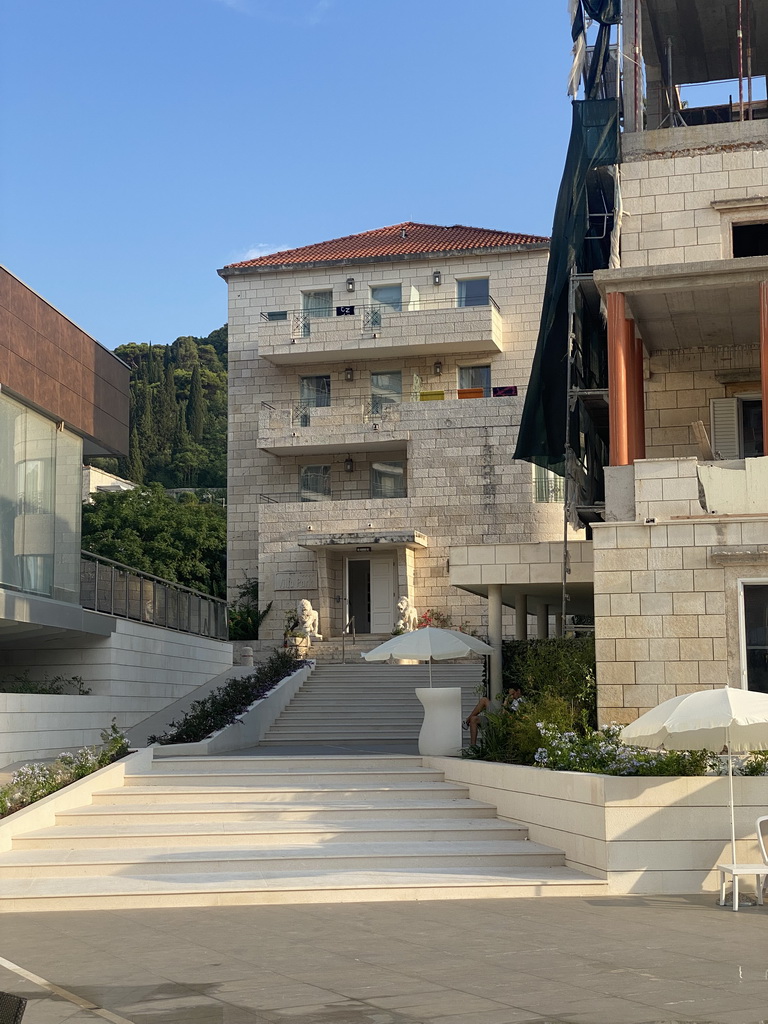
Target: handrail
(405, 306)
(112, 588)
(343, 639)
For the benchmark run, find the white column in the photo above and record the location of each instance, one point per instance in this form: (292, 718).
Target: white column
(542, 621)
(521, 616)
(494, 635)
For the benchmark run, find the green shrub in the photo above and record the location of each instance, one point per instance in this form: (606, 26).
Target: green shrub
(57, 685)
(564, 666)
(245, 618)
(223, 705)
(35, 780)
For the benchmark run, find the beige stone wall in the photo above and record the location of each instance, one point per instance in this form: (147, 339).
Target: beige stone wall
(666, 594)
(669, 201)
(463, 487)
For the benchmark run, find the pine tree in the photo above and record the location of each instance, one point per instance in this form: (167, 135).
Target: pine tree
(196, 405)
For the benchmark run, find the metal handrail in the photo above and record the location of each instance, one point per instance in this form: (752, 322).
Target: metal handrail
(406, 306)
(125, 592)
(344, 641)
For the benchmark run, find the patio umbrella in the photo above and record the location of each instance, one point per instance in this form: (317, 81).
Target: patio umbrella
(429, 644)
(708, 720)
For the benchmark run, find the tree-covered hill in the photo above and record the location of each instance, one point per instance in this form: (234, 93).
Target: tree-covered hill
(178, 413)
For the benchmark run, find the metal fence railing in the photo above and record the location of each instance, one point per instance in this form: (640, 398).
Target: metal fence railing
(116, 589)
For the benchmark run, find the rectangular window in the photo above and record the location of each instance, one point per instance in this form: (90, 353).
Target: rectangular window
(475, 379)
(34, 485)
(318, 304)
(388, 480)
(750, 240)
(315, 483)
(386, 390)
(737, 427)
(755, 638)
(389, 296)
(547, 486)
(277, 314)
(314, 393)
(474, 292)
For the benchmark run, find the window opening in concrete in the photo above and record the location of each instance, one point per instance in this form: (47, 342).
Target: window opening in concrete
(388, 295)
(547, 486)
(750, 240)
(315, 483)
(475, 379)
(756, 636)
(751, 427)
(386, 390)
(388, 480)
(277, 314)
(474, 292)
(314, 393)
(737, 427)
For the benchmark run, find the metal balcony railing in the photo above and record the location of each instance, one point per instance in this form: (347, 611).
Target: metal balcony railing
(116, 589)
(365, 316)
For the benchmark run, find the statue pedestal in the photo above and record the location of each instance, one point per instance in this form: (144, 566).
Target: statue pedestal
(441, 730)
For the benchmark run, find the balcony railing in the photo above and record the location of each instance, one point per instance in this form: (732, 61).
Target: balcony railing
(335, 494)
(365, 316)
(116, 589)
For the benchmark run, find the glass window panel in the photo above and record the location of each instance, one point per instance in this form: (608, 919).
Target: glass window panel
(388, 480)
(386, 389)
(318, 304)
(752, 427)
(547, 486)
(12, 431)
(474, 292)
(314, 393)
(476, 377)
(389, 295)
(756, 636)
(66, 526)
(315, 483)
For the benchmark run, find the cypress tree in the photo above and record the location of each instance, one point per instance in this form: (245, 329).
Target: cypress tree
(135, 463)
(196, 405)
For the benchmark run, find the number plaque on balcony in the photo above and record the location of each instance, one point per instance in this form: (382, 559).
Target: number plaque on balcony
(345, 311)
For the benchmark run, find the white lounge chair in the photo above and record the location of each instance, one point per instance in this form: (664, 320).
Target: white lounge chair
(760, 871)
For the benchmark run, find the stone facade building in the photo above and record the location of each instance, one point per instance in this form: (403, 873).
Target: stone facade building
(376, 383)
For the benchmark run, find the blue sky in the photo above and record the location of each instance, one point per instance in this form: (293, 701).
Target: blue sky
(148, 142)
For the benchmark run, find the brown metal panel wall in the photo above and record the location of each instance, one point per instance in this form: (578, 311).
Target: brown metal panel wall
(52, 364)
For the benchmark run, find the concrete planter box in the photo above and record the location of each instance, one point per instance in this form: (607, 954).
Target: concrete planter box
(251, 726)
(642, 835)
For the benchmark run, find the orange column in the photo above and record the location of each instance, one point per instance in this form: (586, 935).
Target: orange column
(637, 385)
(619, 364)
(764, 358)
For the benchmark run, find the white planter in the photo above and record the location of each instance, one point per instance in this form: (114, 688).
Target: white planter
(441, 730)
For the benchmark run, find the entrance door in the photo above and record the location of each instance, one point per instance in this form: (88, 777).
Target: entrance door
(371, 594)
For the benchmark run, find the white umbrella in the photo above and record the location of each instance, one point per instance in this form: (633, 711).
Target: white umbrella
(428, 644)
(709, 720)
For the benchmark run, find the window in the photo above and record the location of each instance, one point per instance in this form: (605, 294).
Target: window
(386, 390)
(34, 486)
(389, 296)
(547, 486)
(388, 480)
(750, 240)
(314, 393)
(474, 292)
(474, 378)
(737, 427)
(755, 636)
(318, 304)
(277, 314)
(315, 483)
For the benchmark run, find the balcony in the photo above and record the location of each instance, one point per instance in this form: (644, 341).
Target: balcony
(339, 333)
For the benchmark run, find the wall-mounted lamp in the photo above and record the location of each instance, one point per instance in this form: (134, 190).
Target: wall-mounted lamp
(438, 368)
(349, 373)
(348, 464)
(437, 277)
(350, 284)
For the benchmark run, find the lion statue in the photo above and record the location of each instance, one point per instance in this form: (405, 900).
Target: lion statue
(309, 622)
(407, 616)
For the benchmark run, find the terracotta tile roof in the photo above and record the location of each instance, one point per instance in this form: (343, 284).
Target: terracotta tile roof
(397, 240)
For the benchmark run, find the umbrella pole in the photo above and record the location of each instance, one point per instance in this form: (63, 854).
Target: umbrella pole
(730, 796)
(430, 673)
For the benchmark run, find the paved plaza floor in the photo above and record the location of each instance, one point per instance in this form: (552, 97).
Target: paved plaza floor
(624, 960)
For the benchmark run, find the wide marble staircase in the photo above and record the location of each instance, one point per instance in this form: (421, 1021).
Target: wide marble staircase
(368, 703)
(267, 830)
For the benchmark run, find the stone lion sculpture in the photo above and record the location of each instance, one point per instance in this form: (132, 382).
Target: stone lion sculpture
(309, 622)
(407, 616)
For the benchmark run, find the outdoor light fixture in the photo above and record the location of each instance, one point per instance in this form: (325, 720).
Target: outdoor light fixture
(438, 368)
(350, 284)
(348, 464)
(437, 277)
(349, 373)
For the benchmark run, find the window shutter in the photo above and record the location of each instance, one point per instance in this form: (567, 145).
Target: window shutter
(725, 427)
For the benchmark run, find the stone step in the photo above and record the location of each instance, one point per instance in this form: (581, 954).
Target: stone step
(118, 892)
(271, 810)
(268, 834)
(328, 794)
(488, 856)
(264, 764)
(305, 779)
